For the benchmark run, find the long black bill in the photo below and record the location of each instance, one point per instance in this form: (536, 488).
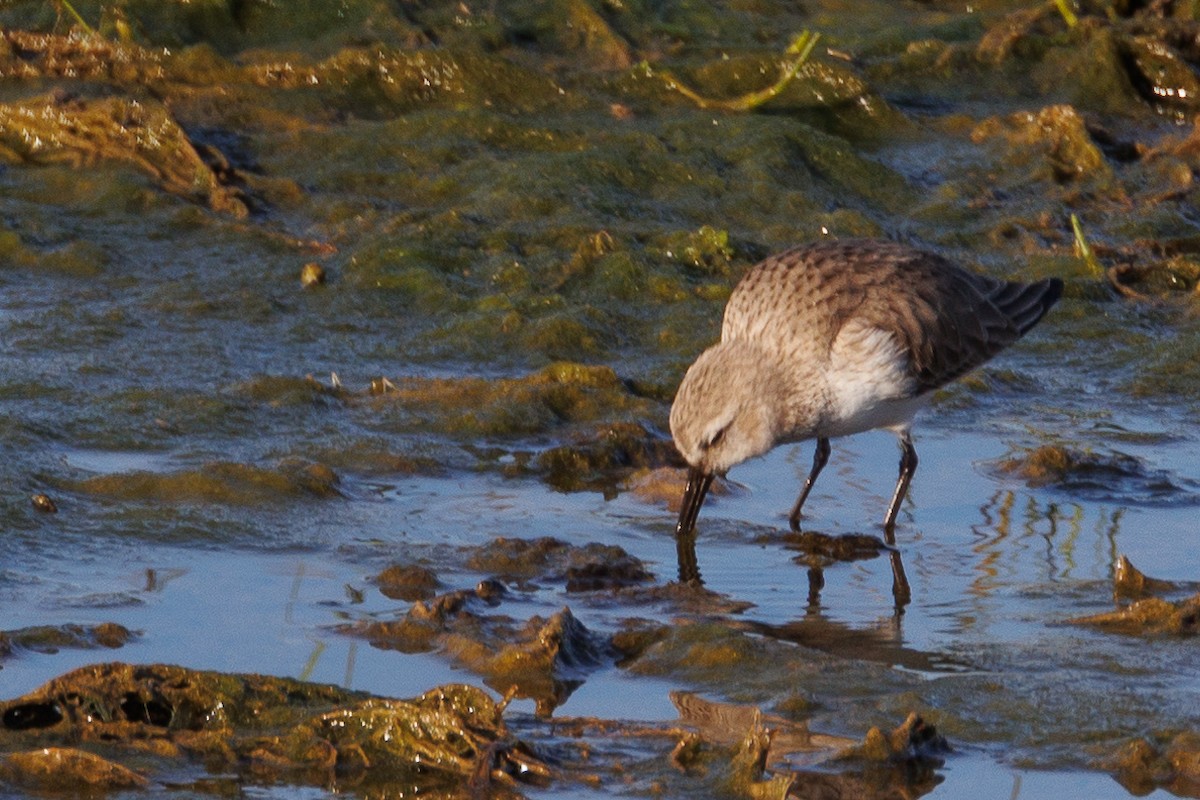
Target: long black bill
(693, 497)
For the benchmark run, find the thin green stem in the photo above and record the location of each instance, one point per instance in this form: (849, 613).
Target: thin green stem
(1083, 249)
(82, 22)
(1067, 14)
(800, 50)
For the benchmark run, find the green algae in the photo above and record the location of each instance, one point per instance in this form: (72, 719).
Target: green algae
(1170, 760)
(561, 394)
(1150, 616)
(217, 482)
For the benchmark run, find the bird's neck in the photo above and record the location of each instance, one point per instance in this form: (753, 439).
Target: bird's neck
(777, 384)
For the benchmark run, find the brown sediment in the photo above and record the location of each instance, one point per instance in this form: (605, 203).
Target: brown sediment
(589, 567)
(822, 549)
(1054, 141)
(407, 582)
(664, 485)
(66, 769)
(544, 659)
(1111, 474)
(1149, 617)
(1147, 614)
(1169, 761)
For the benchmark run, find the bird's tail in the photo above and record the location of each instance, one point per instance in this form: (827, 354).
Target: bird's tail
(1026, 303)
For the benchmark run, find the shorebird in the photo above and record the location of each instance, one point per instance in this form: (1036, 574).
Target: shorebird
(835, 338)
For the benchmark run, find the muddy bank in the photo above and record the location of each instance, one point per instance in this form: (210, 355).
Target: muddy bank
(117, 727)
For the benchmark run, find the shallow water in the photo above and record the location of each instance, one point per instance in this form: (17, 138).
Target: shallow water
(154, 350)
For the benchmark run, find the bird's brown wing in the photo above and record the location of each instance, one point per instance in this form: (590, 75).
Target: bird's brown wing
(948, 319)
(951, 320)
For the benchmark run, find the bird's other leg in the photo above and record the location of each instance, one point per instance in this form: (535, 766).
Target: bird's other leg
(820, 457)
(908, 465)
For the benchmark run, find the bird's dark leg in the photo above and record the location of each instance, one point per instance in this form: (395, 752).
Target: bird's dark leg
(908, 465)
(820, 457)
(685, 552)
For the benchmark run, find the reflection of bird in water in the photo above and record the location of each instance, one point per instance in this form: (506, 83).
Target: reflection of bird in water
(836, 338)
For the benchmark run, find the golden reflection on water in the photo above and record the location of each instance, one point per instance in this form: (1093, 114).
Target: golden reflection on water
(1004, 534)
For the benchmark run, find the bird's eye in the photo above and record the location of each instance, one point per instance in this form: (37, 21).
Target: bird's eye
(716, 438)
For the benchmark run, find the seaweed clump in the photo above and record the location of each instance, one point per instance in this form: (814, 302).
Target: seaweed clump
(74, 732)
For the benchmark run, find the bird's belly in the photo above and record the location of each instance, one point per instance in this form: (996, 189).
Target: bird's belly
(864, 416)
(868, 385)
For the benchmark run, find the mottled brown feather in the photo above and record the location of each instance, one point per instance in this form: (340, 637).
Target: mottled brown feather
(947, 319)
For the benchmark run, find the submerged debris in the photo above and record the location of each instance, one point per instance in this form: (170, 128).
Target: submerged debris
(1176, 277)
(44, 503)
(312, 274)
(1054, 142)
(751, 754)
(407, 582)
(664, 485)
(596, 456)
(822, 550)
(590, 567)
(52, 638)
(913, 740)
(726, 723)
(1146, 615)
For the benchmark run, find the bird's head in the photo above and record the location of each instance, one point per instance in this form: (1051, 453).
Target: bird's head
(725, 412)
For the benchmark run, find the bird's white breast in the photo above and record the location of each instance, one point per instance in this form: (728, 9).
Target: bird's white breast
(868, 383)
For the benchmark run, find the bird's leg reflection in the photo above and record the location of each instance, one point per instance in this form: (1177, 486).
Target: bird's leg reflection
(689, 568)
(820, 550)
(900, 589)
(816, 582)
